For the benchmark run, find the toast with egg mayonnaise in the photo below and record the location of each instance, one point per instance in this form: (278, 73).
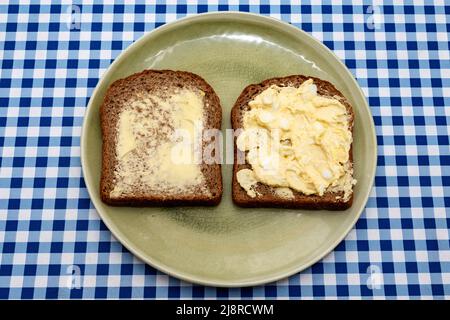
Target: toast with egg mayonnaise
(294, 148)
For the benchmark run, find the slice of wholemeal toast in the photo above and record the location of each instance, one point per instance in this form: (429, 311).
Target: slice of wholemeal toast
(140, 118)
(265, 195)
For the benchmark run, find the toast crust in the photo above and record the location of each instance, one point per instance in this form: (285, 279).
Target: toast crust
(267, 197)
(154, 81)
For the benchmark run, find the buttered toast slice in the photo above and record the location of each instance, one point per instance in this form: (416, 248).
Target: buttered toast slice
(294, 148)
(142, 118)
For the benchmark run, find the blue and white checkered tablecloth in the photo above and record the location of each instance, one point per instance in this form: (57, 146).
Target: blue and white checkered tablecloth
(52, 242)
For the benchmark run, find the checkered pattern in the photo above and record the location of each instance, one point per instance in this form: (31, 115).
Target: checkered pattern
(52, 242)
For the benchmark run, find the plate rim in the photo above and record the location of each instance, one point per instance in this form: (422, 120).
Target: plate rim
(196, 279)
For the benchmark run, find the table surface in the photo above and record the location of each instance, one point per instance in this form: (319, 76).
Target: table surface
(52, 241)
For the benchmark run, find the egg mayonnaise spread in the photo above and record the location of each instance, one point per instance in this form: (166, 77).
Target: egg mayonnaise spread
(296, 139)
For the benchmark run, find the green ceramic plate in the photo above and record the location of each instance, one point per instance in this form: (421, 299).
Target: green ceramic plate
(228, 245)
